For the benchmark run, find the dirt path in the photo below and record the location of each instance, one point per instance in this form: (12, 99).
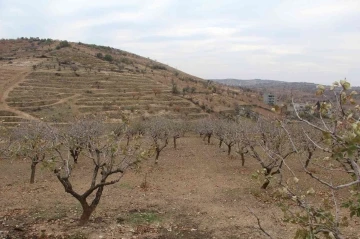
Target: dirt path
(56, 103)
(7, 87)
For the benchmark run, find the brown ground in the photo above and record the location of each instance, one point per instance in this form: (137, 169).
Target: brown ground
(196, 191)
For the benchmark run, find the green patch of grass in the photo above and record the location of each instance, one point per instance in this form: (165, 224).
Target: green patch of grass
(125, 186)
(77, 235)
(144, 218)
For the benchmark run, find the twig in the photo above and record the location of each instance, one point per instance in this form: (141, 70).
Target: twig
(258, 222)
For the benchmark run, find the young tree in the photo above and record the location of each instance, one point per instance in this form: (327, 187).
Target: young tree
(131, 130)
(205, 127)
(110, 158)
(270, 147)
(32, 141)
(228, 132)
(159, 131)
(243, 141)
(219, 126)
(177, 129)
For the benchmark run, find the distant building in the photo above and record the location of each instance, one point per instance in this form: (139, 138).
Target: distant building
(269, 99)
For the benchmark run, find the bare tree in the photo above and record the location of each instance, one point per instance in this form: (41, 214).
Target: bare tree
(76, 136)
(228, 133)
(205, 127)
(32, 141)
(219, 131)
(242, 142)
(110, 157)
(270, 147)
(159, 131)
(177, 129)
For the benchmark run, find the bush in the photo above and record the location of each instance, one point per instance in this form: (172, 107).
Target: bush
(63, 44)
(174, 89)
(158, 67)
(108, 58)
(126, 61)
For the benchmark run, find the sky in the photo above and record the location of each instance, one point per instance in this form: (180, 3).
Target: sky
(289, 40)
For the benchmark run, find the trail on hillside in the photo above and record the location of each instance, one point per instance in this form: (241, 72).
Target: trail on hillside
(7, 87)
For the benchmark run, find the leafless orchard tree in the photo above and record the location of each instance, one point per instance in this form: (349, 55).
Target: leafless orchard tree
(219, 126)
(303, 136)
(110, 157)
(243, 140)
(134, 129)
(205, 127)
(270, 146)
(228, 132)
(177, 129)
(77, 135)
(158, 129)
(130, 130)
(32, 141)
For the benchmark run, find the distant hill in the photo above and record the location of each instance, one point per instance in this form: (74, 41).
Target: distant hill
(301, 91)
(259, 83)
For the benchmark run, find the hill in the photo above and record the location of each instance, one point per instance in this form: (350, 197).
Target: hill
(259, 83)
(57, 80)
(301, 91)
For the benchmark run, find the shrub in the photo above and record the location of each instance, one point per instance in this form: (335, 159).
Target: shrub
(126, 61)
(63, 44)
(108, 58)
(174, 88)
(158, 67)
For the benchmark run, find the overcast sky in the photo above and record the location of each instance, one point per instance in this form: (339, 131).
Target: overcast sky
(295, 40)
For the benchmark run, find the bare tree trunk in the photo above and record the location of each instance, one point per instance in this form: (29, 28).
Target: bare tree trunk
(266, 184)
(174, 142)
(74, 154)
(89, 209)
(209, 137)
(127, 141)
(86, 214)
(157, 156)
(220, 143)
(33, 170)
(229, 149)
(242, 159)
(267, 181)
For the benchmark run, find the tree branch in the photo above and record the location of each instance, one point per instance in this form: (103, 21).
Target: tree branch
(258, 222)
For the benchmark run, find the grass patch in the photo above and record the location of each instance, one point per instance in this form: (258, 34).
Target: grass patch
(143, 217)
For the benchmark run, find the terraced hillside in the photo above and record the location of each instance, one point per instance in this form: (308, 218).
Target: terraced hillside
(46, 80)
(59, 97)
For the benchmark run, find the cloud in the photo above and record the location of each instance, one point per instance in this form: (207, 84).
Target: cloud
(335, 9)
(281, 39)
